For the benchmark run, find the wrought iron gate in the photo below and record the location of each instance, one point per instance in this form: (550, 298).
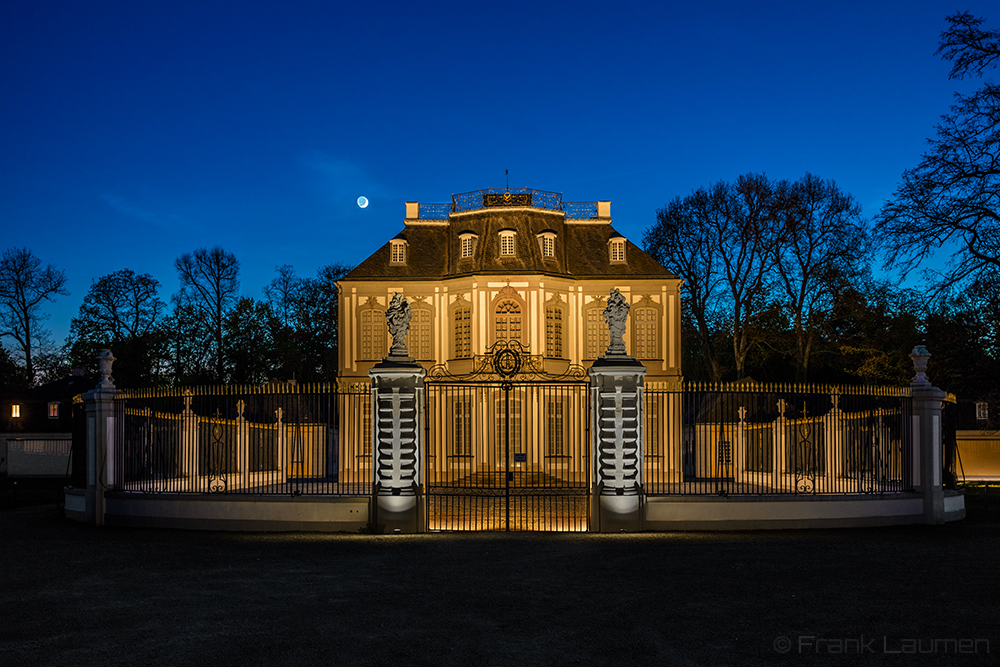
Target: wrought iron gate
(507, 445)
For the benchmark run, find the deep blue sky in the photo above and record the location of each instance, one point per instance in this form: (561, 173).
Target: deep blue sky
(133, 131)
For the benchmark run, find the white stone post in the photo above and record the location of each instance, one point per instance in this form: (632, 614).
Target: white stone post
(242, 444)
(189, 443)
(100, 439)
(927, 429)
(616, 386)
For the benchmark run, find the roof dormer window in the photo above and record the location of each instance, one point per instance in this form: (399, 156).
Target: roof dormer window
(547, 243)
(397, 251)
(467, 245)
(507, 245)
(616, 250)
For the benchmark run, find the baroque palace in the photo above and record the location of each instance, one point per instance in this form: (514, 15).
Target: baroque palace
(510, 264)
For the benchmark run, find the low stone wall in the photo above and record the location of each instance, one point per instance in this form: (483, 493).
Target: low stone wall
(779, 512)
(226, 512)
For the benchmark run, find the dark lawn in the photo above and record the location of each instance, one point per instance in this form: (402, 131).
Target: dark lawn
(76, 595)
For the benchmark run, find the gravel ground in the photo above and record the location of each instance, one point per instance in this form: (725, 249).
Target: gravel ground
(77, 595)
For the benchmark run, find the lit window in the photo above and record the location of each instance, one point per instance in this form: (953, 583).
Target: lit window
(553, 332)
(982, 411)
(468, 245)
(418, 340)
(462, 436)
(15, 411)
(507, 242)
(547, 243)
(372, 333)
(597, 333)
(463, 331)
(508, 320)
(617, 250)
(54, 410)
(397, 252)
(516, 426)
(644, 322)
(555, 441)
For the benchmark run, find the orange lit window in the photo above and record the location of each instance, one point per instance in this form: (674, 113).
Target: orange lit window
(54, 410)
(15, 411)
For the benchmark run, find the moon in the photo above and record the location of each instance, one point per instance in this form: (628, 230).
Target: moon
(362, 202)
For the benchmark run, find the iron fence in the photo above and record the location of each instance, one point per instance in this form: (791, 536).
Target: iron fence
(744, 439)
(580, 210)
(276, 439)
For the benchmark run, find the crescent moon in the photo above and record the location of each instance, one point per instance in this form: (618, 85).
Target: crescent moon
(362, 202)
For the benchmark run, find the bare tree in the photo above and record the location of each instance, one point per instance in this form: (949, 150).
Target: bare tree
(681, 240)
(118, 306)
(746, 241)
(24, 286)
(722, 242)
(210, 283)
(823, 246)
(951, 201)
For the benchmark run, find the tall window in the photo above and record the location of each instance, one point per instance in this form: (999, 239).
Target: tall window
(54, 410)
(597, 333)
(507, 243)
(516, 439)
(508, 320)
(15, 411)
(397, 252)
(617, 248)
(462, 327)
(462, 440)
(418, 340)
(555, 442)
(372, 333)
(644, 321)
(982, 411)
(467, 243)
(553, 332)
(548, 246)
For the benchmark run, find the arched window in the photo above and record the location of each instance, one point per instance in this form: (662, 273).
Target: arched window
(616, 250)
(508, 320)
(553, 331)
(645, 321)
(598, 338)
(397, 252)
(467, 245)
(372, 328)
(419, 340)
(461, 327)
(508, 247)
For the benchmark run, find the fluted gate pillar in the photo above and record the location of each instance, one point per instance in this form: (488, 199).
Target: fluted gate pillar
(616, 387)
(397, 432)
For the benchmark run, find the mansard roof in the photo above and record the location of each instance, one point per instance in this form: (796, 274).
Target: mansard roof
(581, 248)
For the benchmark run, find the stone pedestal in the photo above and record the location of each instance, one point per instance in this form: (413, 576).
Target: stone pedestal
(397, 445)
(927, 426)
(99, 403)
(616, 386)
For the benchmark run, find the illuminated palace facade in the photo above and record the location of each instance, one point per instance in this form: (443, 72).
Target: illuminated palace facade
(510, 264)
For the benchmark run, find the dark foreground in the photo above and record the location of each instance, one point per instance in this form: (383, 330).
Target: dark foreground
(76, 595)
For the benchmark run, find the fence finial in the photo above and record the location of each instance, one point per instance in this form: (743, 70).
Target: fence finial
(104, 361)
(920, 356)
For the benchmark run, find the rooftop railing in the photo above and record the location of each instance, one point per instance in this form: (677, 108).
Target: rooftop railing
(507, 198)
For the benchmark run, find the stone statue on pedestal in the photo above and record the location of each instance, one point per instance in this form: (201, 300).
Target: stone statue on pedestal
(397, 318)
(616, 315)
